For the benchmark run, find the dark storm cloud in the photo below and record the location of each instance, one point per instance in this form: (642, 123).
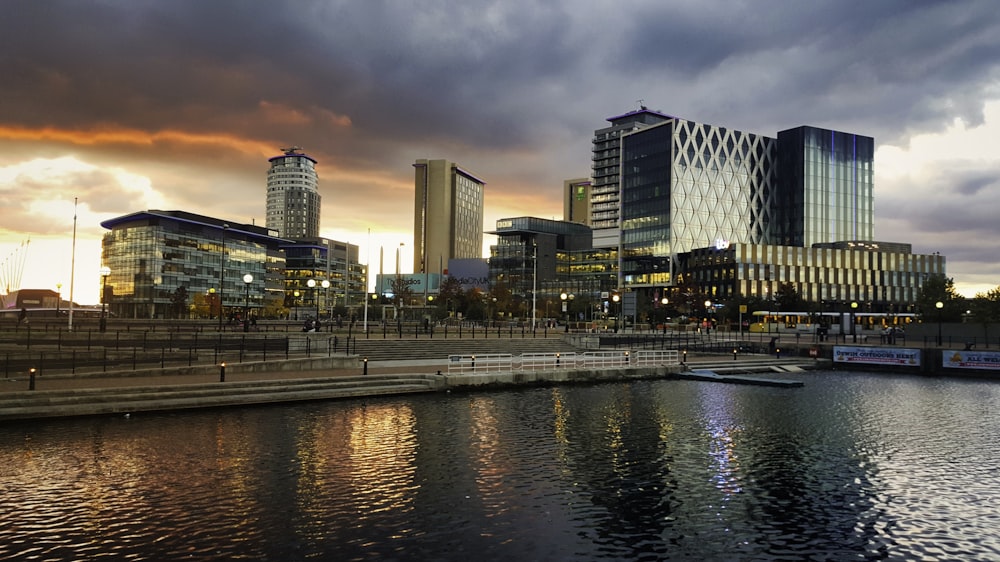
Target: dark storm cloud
(511, 89)
(494, 75)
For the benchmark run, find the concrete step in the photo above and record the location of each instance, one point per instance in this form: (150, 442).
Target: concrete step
(47, 404)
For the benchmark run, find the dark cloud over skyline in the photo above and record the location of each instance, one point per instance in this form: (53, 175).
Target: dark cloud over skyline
(193, 97)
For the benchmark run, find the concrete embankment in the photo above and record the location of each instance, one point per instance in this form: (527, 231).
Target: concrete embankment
(329, 378)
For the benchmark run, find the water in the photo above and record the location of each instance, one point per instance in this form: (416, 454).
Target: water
(850, 467)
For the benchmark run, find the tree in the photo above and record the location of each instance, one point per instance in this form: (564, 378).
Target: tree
(938, 288)
(788, 299)
(450, 296)
(985, 309)
(178, 302)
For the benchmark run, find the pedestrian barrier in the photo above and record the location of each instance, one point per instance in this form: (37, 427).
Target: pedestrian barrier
(547, 361)
(604, 359)
(507, 363)
(485, 363)
(644, 358)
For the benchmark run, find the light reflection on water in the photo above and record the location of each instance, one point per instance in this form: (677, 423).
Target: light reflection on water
(851, 466)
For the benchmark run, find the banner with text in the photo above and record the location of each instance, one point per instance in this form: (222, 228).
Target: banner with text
(876, 355)
(971, 360)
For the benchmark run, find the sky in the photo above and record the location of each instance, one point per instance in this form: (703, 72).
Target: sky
(113, 107)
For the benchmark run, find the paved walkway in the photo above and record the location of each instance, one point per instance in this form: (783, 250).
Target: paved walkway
(65, 382)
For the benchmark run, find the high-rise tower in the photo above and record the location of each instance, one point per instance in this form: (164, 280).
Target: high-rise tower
(448, 215)
(605, 194)
(293, 199)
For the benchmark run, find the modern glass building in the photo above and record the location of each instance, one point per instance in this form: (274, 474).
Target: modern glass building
(686, 185)
(293, 200)
(825, 187)
(448, 215)
(605, 193)
(883, 276)
(174, 264)
(321, 276)
(160, 261)
(540, 259)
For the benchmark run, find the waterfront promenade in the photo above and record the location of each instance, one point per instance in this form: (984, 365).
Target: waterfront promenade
(166, 389)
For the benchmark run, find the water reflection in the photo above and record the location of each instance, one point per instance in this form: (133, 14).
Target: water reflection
(850, 466)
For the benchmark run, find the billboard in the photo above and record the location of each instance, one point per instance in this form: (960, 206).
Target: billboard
(971, 360)
(470, 272)
(903, 357)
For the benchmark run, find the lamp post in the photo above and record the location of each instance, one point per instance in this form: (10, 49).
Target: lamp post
(105, 271)
(295, 303)
(854, 331)
(534, 284)
(939, 305)
(58, 297)
(566, 299)
(222, 271)
(708, 315)
(312, 285)
(247, 280)
(326, 296)
(615, 298)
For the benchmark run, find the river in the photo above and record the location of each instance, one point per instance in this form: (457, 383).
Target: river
(851, 466)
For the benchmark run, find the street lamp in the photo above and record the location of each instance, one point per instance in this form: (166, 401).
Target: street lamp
(939, 305)
(295, 303)
(326, 296)
(247, 280)
(58, 297)
(222, 271)
(614, 299)
(105, 271)
(566, 299)
(854, 332)
(708, 314)
(312, 285)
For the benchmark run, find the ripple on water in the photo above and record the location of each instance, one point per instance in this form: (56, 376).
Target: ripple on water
(850, 466)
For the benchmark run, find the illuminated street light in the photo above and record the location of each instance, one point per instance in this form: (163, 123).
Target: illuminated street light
(939, 305)
(247, 280)
(105, 271)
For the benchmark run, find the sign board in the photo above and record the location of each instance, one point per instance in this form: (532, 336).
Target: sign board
(629, 301)
(876, 355)
(971, 360)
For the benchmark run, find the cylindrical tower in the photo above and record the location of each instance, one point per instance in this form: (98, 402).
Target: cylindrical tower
(293, 200)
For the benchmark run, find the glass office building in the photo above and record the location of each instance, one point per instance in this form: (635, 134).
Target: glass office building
(686, 185)
(883, 276)
(825, 187)
(605, 188)
(153, 255)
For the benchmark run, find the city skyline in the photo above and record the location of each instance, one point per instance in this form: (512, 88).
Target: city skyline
(145, 106)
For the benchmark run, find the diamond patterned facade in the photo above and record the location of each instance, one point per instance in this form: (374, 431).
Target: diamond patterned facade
(686, 185)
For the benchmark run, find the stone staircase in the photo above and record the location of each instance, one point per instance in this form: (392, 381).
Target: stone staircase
(126, 400)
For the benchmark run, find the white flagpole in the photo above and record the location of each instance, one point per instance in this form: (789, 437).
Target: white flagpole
(368, 271)
(72, 268)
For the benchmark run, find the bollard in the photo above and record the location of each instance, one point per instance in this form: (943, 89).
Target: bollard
(365, 372)
(734, 354)
(684, 357)
(557, 360)
(473, 362)
(777, 353)
(222, 372)
(31, 378)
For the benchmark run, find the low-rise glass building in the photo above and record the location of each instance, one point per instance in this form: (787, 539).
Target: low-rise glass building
(175, 264)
